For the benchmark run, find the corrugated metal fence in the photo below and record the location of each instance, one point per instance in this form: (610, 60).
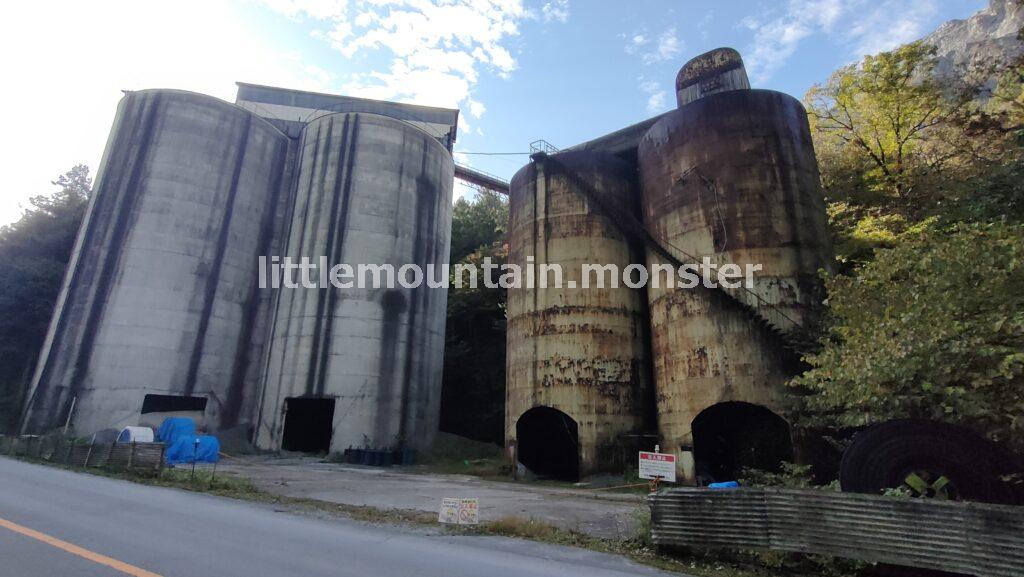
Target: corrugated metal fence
(972, 538)
(112, 456)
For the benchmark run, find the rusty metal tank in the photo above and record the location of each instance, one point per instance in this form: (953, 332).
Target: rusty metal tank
(731, 176)
(577, 357)
(718, 70)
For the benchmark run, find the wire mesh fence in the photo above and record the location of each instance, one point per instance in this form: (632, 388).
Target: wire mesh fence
(72, 453)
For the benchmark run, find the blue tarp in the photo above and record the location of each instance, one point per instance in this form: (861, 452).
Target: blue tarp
(724, 485)
(175, 427)
(189, 449)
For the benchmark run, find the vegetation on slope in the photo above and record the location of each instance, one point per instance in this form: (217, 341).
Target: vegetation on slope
(926, 200)
(34, 252)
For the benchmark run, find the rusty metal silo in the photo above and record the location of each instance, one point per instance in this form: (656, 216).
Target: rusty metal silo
(719, 70)
(731, 175)
(578, 358)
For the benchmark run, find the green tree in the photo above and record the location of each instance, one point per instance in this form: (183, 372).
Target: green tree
(933, 328)
(473, 393)
(898, 151)
(1007, 98)
(885, 108)
(478, 222)
(34, 252)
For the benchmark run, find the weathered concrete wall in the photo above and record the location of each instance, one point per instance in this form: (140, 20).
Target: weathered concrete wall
(731, 175)
(581, 351)
(368, 190)
(160, 293)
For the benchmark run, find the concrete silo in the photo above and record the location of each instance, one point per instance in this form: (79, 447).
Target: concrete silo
(360, 367)
(156, 312)
(731, 175)
(578, 363)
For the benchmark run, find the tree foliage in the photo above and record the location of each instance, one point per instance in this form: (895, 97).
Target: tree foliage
(932, 328)
(478, 222)
(883, 110)
(34, 253)
(924, 183)
(473, 393)
(899, 151)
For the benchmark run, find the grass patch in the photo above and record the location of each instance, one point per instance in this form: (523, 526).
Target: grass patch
(235, 487)
(455, 455)
(205, 481)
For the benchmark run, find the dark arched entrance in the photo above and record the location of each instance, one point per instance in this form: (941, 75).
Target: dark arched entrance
(730, 436)
(548, 444)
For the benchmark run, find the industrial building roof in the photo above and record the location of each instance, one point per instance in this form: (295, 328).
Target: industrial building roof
(290, 110)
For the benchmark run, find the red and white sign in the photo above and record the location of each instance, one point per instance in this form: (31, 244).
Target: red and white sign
(657, 466)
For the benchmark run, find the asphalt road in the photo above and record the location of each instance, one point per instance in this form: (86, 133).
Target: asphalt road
(56, 523)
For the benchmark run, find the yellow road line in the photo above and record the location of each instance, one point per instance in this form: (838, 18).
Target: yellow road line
(76, 550)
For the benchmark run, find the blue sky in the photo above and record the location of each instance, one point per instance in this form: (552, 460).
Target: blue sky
(520, 70)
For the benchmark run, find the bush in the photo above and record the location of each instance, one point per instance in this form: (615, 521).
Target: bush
(933, 329)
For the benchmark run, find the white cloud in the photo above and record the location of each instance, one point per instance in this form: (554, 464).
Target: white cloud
(70, 60)
(67, 64)
(890, 25)
(777, 39)
(437, 49)
(704, 23)
(315, 9)
(637, 41)
(665, 47)
(476, 109)
(657, 97)
(658, 101)
(653, 49)
(668, 47)
(556, 10)
(868, 27)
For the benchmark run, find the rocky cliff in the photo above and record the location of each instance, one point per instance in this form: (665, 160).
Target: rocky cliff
(974, 47)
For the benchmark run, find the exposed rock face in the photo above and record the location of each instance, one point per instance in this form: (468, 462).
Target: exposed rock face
(972, 48)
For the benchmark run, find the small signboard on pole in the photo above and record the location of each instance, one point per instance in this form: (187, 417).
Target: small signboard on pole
(657, 466)
(459, 511)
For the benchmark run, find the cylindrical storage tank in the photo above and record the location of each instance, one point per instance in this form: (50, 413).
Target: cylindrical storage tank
(361, 366)
(577, 367)
(718, 70)
(731, 176)
(156, 305)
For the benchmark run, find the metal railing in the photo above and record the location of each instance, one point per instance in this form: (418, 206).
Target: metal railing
(543, 146)
(110, 456)
(972, 538)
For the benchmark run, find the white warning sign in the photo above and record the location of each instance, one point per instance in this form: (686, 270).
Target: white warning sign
(657, 466)
(459, 511)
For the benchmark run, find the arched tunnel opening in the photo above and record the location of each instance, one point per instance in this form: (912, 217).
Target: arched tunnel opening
(729, 437)
(548, 444)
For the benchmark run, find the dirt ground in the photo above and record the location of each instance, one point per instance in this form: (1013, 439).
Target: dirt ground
(601, 514)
